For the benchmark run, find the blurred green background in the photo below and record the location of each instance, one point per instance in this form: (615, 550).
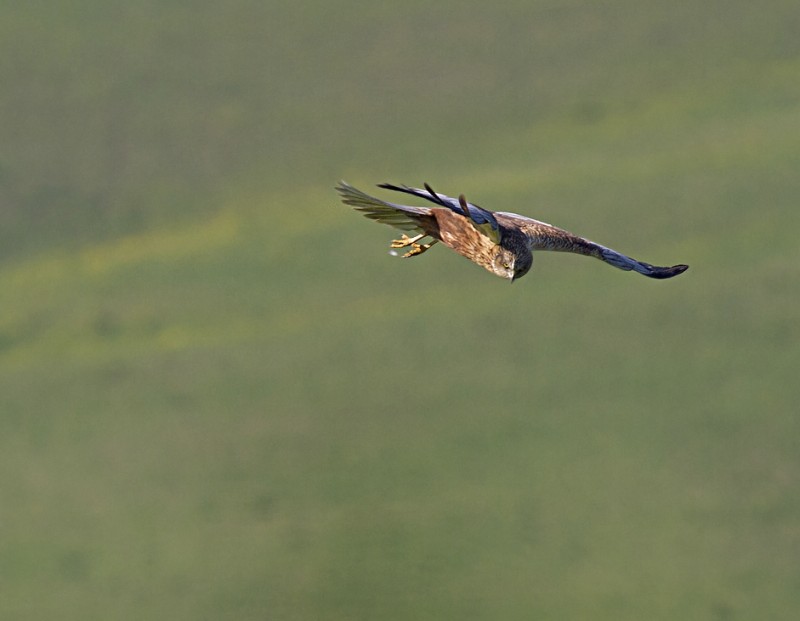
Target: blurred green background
(221, 398)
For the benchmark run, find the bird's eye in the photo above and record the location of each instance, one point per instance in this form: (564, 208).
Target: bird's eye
(506, 266)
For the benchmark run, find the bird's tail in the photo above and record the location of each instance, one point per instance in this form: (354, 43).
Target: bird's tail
(612, 257)
(403, 217)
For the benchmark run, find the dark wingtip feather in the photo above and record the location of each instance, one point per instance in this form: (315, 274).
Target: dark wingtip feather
(668, 272)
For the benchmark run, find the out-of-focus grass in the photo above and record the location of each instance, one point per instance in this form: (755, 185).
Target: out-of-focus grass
(221, 398)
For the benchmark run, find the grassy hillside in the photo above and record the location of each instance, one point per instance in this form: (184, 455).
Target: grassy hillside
(220, 397)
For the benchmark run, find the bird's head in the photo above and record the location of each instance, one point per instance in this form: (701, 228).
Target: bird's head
(509, 265)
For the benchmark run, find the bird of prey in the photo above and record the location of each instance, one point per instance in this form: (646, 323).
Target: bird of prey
(501, 242)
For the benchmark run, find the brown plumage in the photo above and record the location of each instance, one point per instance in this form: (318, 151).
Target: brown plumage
(498, 241)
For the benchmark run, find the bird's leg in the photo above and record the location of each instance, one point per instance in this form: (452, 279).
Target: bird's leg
(405, 240)
(418, 249)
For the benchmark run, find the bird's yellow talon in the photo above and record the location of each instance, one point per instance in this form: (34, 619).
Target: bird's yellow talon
(417, 249)
(405, 240)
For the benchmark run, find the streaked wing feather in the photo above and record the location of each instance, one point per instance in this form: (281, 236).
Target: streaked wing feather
(403, 217)
(483, 219)
(461, 235)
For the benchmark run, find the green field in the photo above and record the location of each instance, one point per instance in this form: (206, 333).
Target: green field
(221, 398)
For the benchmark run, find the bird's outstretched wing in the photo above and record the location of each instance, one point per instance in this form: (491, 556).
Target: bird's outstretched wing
(542, 236)
(403, 217)
(481, 218)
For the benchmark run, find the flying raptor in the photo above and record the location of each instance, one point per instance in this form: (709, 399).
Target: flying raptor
(501, 242)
